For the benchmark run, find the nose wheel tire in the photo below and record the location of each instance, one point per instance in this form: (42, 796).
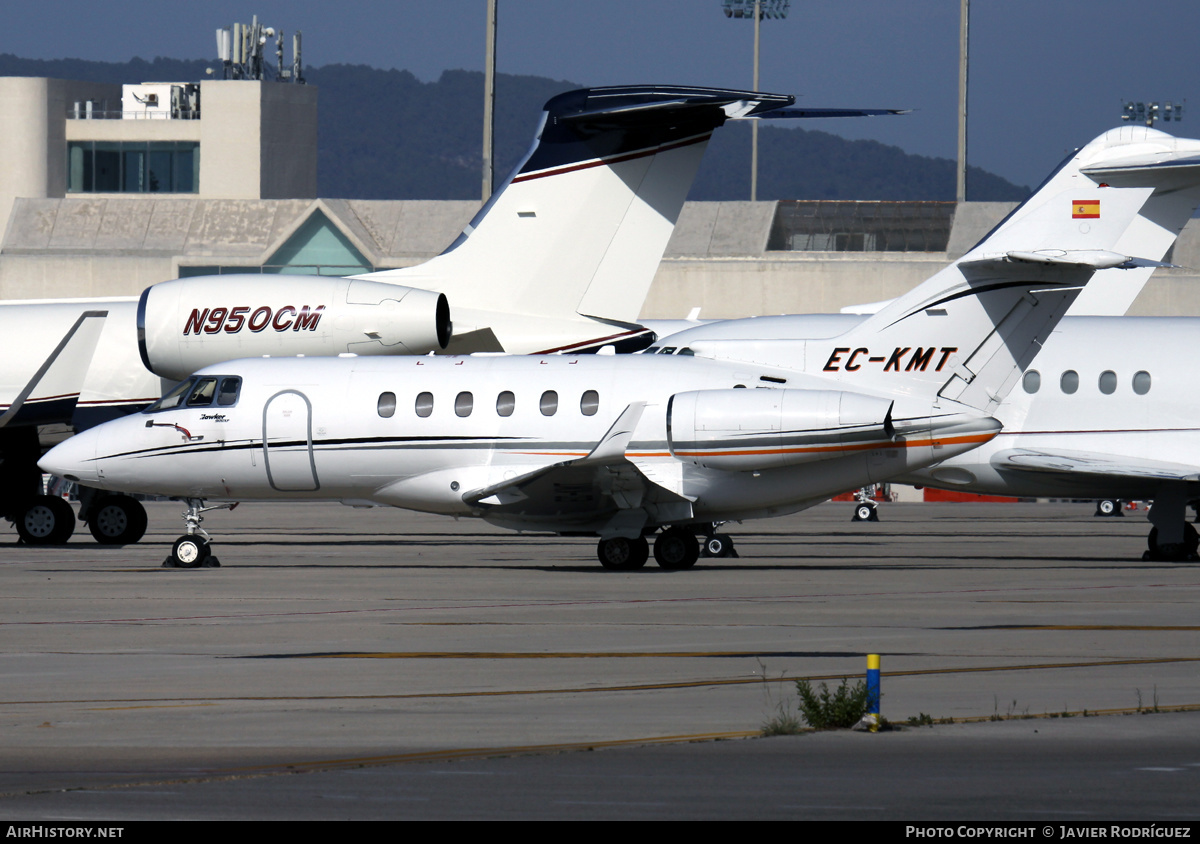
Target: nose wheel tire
(718, 545)
(622, 554)
(118, 520)
(191, 552)
(48, 520)
(865, 513)
(676, 548)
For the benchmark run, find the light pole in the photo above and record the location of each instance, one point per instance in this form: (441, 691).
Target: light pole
(489, 100)
(756, 9)
(964, 26)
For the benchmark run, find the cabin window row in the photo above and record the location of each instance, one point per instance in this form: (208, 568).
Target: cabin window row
(1107, 383)
(506, 403)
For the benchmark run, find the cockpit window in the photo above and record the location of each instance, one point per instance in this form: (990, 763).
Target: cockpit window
(199, 391)
(202, 393)
(228, 394)
(174, 398)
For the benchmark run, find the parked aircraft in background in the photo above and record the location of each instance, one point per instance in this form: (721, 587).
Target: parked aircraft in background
(763, 423)
(560, 259)
(1109, 409)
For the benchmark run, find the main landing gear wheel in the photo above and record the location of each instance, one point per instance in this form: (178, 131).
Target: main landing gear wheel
(1109, 507)
(623, 554)
(118, 520)
(48, 520)
(676, 548)
(718, 545)
(191, 552)
(1173, 552)
(865, 513)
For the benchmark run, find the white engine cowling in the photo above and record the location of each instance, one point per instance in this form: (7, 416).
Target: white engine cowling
(746, 430)
(189, 323)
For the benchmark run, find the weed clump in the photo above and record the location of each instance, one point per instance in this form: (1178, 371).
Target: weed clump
(837, 710)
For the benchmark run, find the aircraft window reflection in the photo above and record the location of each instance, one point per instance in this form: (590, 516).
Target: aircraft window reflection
(228, 394)
(464, 403)
(1069, 381)
(202, 396)
(174, 398)
(505, 403)
(668, 350)
(424, 404)
(549, 403)
(1108, 382)
(589, 403)
(387, 405)
(1141, 383)
(1032, 382)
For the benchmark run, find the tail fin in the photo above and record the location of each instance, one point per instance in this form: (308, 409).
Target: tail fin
(969, 331)
(1126, 157)
(579, 228)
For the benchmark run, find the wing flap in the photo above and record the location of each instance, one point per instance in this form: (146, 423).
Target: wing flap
(1092, 464)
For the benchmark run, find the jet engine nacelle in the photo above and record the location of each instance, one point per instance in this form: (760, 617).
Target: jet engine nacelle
(746, 430)
(190, 323)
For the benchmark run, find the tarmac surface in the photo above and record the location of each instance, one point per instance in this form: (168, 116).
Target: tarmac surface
(351, 663)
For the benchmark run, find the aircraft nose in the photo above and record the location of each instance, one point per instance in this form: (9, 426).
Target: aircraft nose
(74, 459)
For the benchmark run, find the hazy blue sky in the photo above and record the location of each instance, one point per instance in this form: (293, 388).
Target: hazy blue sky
(1046, 75)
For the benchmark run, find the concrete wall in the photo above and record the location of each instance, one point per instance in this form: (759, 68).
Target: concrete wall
(33, 142)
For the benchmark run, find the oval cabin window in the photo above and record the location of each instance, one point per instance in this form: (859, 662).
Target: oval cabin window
(387, 405)
(424, 404)
(505, 403)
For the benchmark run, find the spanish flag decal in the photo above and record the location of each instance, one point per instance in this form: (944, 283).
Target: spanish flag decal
(1085, 209)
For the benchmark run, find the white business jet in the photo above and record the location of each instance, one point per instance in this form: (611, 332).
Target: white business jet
(728, 429)
(560, 259)
(1108, 411)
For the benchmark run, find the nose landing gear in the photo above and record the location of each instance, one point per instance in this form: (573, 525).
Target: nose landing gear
(193, 550)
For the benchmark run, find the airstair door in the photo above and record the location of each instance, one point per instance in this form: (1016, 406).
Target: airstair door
(287, 442)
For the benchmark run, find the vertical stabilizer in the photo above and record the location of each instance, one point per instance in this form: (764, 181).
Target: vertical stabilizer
(577, 231)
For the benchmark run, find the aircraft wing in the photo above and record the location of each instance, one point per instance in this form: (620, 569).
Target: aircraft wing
(603, 492)
(1091, 464)
(52, 391)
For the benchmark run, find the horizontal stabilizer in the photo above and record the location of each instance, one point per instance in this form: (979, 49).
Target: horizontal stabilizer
(53, 391)
(1093, 259)
(825, 112)
(1092, 464)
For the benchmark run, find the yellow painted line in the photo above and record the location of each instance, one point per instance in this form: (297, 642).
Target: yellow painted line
(1166, 628)
(521, 655)
(628, 687)
(150, 706)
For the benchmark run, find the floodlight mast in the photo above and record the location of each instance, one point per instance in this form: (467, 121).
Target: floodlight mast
(756, 9)
(1149, 113)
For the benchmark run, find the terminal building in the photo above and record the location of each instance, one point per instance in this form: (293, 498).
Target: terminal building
(107, 189)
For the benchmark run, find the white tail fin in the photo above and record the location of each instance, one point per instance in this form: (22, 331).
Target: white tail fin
(968, 332)
(1123, 157)
(577, 231)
